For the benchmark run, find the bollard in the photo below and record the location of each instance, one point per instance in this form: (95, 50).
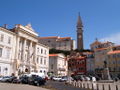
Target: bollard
(116, 87)
(88, 85)
(103, 87)
(109, 87)
(92, 87)
(73, 83)
(83, 85)
(97, 86)
(79, 84)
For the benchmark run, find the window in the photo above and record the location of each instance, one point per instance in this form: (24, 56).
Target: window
(113, 62)
(1, 37)
(45, 52)
(41, 51)
(110, 68)
(0, 52)
(7, 53)
(9, 40)
(41, 71)
(49, 41)
(37, 59)
(45, 61)
(41, 60)
(52, 66)
(38, 50)
(44, 71)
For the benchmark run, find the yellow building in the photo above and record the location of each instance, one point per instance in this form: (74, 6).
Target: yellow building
(114, 62)
(100, 50)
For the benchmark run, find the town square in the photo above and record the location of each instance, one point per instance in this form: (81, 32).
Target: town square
(59, 45)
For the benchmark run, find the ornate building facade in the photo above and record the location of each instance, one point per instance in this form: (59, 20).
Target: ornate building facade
(24, 57)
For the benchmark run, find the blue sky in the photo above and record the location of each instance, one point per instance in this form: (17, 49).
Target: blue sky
(101, 18)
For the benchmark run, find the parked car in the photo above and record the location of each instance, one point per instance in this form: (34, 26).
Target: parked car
(36, 80)
(24, 79)
(10, 80)
(1, 77)
(5, 78)
(115, 79)
(79, 77)
(63, 79)
(56, 78)
(87, 78)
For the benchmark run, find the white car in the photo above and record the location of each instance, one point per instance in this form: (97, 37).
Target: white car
(57, 78)
(93, 79)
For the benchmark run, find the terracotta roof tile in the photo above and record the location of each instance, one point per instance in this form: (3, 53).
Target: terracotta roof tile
(52, 37)
(65, 38)
(100, 49)
(53, 55)
(114, 52)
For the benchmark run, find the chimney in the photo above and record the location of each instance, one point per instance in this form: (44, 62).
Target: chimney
(5, 25)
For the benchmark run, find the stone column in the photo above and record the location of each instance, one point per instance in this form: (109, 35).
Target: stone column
(34, 55)
(17, 48)
(24, 50)
(16, 56)
(30, 56)
(23, 59)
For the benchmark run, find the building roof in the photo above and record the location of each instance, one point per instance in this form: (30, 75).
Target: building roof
(79, 22)
(65, 38)
(52, 55)
(114, 52)
(55, 37)
(100, 49)
(51, 37)
(96, 42)
(116, 46)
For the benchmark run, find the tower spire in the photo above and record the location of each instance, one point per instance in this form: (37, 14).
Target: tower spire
(79, 33)
(79, 21)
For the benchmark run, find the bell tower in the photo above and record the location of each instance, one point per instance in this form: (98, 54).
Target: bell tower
(79, 33)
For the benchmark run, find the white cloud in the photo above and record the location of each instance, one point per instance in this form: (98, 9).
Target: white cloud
(115, 38)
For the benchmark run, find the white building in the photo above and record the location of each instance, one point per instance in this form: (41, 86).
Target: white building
(7, 49)
(42, 58)
(21, 43)
(58, 65)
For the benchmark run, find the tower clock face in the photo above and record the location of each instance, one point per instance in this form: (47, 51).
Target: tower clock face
(79, 36)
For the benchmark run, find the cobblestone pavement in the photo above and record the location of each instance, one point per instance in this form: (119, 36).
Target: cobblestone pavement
(8, 86)
(61, 86)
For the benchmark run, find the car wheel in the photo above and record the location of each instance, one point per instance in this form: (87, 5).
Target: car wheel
(38, 84)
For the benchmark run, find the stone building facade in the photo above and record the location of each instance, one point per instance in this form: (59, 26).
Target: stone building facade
(59, 43)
